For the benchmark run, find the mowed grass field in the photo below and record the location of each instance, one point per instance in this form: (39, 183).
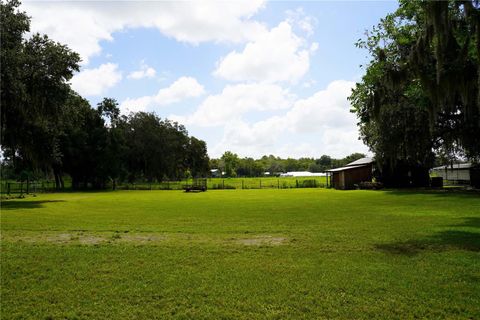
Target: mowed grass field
(241, 254)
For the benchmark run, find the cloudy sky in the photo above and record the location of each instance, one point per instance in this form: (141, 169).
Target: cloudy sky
(252, 77)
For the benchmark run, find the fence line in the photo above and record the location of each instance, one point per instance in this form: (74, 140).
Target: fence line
(26, 187)
(233, 183)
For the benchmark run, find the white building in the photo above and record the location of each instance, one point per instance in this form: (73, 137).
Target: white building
(215, 173)
(303, 174)
(457, 173)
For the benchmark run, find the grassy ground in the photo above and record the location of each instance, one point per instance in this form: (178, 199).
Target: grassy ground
(241, 254)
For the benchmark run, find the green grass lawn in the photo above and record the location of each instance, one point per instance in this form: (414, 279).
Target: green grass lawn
(241, 254)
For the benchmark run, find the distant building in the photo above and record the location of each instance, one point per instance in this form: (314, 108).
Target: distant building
(215, 173)
(457, 173)
(353, 173)
(302, 174)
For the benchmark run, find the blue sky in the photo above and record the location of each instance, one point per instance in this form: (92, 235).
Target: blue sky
(252, 77)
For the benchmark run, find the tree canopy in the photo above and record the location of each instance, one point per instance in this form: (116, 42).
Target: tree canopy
(419, 96)
(47, 128)
(234, 166)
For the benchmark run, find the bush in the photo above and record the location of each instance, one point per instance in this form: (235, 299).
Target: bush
(311, 183)
(368, 185)
(436, 182)
(475, 177)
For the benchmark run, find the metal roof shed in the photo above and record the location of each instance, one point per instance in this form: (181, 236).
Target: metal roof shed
(353, 173)
(457, 173)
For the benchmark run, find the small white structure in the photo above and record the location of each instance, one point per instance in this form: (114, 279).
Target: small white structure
(303, 174)
(215, 173)
(458, 172)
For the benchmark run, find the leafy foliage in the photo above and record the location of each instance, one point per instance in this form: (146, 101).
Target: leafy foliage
(34, 87)
(249, 167)
(420, 91)
(46, 127)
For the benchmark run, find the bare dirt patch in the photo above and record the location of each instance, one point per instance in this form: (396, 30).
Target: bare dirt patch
(264, 240)
(89, 239)
(141, 238)
(56, 238)
(83, 238)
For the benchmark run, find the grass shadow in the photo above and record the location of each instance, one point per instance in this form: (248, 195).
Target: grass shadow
(441, 241)
(445, 192)
(18, 204)
(470, 222)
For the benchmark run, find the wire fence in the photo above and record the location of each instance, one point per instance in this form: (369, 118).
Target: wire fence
(26, 187)
(32, 187)
(233, 183)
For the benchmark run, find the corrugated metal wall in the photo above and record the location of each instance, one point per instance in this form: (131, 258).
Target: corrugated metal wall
(453, 174)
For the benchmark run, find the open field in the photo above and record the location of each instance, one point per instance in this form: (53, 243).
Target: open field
(241, 254)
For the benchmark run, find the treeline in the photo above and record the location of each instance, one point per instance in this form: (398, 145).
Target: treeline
(234, 166)
(49, 130)
(420, 96)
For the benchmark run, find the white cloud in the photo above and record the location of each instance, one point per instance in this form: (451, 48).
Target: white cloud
(250, 139)
(309, 83)
(84, 24)
(340, 142)
(326, 108)
(96, 81)
(181, 89)
(300, 19)
(144, 72)
(319, 124)
(277, 55)
(236, 100)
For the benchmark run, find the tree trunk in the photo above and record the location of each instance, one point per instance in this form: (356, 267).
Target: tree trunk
(74, 182)
(57, 178)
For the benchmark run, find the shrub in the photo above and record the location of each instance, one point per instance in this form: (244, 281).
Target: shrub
(436, 182)
(368, 185)
(311, 183)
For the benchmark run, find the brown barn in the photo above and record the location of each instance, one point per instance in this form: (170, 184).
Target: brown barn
(347, 177)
